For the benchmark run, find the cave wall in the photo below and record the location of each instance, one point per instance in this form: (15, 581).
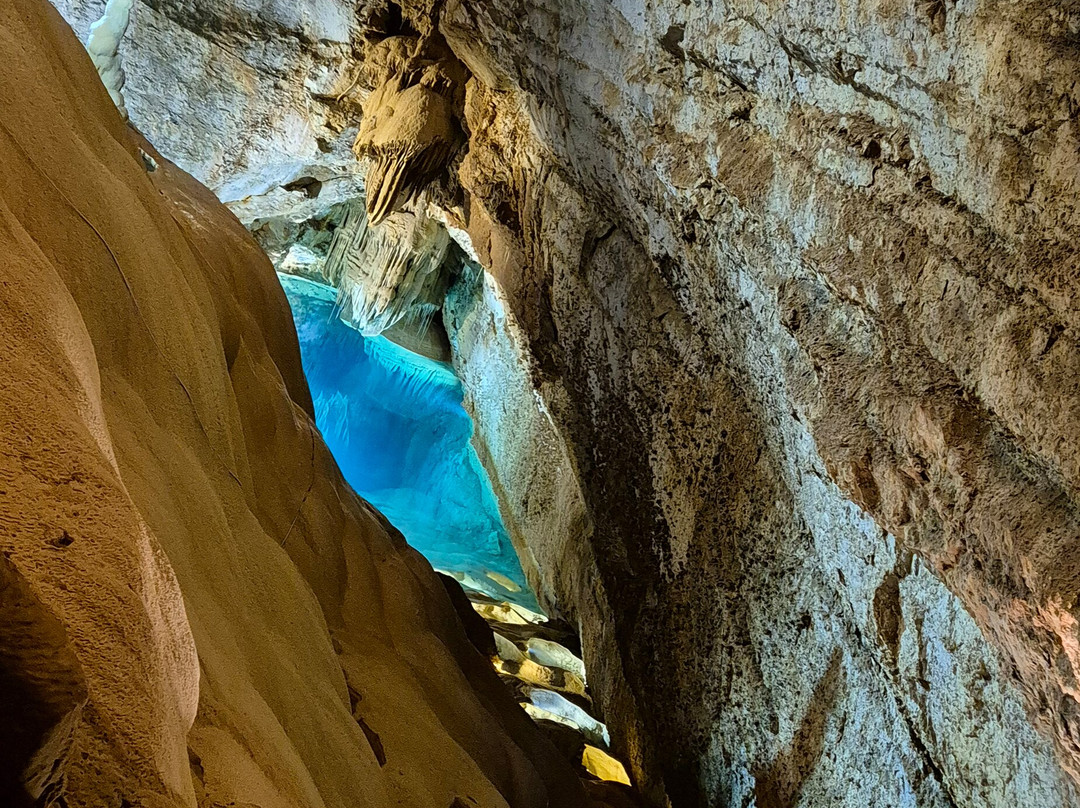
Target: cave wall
(519, 444)
(255, 100)
(798, 275)
(789, 329)
(195, 609)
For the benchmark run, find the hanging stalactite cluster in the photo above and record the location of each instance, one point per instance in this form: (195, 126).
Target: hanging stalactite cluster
(411, 127)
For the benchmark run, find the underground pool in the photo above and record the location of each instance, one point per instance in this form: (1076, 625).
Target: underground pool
(396, 424)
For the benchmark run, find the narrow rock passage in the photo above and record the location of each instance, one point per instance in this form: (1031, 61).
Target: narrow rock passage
(766, 315)
(395, 423)
(539, 660)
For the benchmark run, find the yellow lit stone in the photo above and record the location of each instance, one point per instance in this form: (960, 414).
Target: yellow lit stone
(503, 581)
(600, 764)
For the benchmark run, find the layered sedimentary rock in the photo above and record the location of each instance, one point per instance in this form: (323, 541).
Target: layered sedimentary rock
(196, 609)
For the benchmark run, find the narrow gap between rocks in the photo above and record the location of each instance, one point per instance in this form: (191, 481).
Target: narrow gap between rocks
(395, 421)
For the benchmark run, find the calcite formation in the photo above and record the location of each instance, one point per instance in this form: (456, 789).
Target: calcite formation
(266, 107)
(390, 273)
(103, 45)
(195, 609)
(410, 127)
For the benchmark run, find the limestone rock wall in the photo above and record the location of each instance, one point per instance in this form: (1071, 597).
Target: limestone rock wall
(767, 258)
(194, 607)
(521, 447)
(760, 261)
(259, 101)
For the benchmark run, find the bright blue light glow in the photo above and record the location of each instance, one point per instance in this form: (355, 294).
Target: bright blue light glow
(396, 425)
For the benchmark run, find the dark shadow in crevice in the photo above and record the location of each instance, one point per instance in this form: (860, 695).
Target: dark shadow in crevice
(780, 784)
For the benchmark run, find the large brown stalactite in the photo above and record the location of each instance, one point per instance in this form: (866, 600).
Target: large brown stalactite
(411, 127)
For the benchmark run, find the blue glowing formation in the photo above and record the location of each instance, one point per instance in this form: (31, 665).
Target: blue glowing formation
(396, 425)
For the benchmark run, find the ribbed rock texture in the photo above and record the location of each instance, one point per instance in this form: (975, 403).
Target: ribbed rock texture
(195, 610)
(410, 128)
(390, 274)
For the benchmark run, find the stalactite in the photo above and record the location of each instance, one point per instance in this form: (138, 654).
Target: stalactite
(388, 274)
(103, 46)
(411, 125)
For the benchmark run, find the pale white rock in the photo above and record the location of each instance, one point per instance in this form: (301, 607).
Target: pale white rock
(189, 584)
(554, 655)
(507, 650)
(246, 96)
(390, 272)
(103, 45)
(556, 704)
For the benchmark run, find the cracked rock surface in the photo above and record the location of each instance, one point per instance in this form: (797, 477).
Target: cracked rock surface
(769, 258)
(255, 100)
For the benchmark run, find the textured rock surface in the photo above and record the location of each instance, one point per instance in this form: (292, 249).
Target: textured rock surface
(181, 544)
(739, 235)
(411, 122)
(263, 102)
(246, 97)
(42, 694)
(743, 253)
(103, 45)
(521, 447)
(388, 274)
